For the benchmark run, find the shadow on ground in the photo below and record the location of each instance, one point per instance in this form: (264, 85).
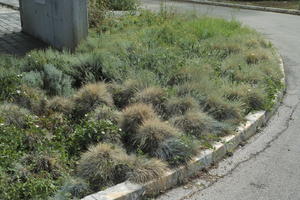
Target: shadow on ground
(18, 43)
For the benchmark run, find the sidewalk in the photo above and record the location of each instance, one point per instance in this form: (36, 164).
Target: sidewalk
(12, 40)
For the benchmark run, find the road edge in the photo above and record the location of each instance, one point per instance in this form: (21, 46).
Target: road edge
(249, 7)
(132, 191)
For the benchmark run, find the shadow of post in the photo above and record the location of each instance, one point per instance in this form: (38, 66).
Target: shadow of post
(18, 43)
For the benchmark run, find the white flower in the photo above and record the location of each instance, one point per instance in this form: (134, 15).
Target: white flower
(18, 91)
(2, 124)
(103, 132)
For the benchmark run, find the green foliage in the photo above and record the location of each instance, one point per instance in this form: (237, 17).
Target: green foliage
(89, 97)
(72, 188)
(146, 170)
(55, 82)
(100, 164)
(91, 132)
(134, 115)
(105, 113)
(14, 115)
(123, 4)
(151, 133)
(9, 80)
(202, 74)
(174, 151)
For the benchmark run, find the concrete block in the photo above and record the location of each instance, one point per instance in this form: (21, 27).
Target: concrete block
(60, 23)
(231, 142)
(219, 152)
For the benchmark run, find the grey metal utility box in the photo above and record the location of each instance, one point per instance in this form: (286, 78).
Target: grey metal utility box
(60, 23)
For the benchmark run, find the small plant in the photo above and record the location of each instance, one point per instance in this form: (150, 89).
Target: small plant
(89, 97)
(123, 4)
(256, 57)
(32, 99)
(14, 115)
(60, 104)
(151, 133)
(146, 170)
(98, 164)
(73, 188)
(174, 151)
(97, 10)
(154, 96)
(222, 109)
(33, 79)
(91, 132)
(194, 123)
(105, 113)
(123, 93)
(181, 105)
(134, 115)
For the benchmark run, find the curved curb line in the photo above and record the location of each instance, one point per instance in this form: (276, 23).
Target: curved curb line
(249, 7)
(131, 191)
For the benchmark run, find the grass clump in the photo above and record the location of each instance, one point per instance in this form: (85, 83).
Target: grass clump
(146, 170)
(135, 115)
(151, 133)
(105, 113)
(61, 105)
(91, 96)
(198, 124)
(98, 165)
(181, 105)
(154, 96)
(14, 115)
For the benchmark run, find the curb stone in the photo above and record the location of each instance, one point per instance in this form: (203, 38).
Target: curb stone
(131, 191)
(249, 7)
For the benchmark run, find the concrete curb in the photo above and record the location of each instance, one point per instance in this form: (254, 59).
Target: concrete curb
(249, 7)
(9, 6)
(131, 191)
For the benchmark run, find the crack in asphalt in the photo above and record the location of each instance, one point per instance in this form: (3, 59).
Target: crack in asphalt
(253, 155)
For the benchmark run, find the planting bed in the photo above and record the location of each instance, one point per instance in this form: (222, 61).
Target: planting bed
(142, 95)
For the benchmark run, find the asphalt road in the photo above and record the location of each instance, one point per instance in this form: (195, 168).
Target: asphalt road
(268, 167)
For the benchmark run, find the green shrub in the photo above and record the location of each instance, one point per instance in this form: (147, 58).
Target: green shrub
(14, 115)
(97, 10)
(180, 105)
(123, 4)
(98, 165)
(222, 109)
(55, 82)
(72, 188)
(196, 123)
(174, 151)
(154, 96)
(134, 115)
(61, 105)
(145, 170)
(105, 113)
(151, 133)
(123, 93)
(89, 97)
(32, 99)
(91, 132)
(33, 79)
(9, 83)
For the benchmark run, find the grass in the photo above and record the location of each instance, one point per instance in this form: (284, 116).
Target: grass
(141, 95)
